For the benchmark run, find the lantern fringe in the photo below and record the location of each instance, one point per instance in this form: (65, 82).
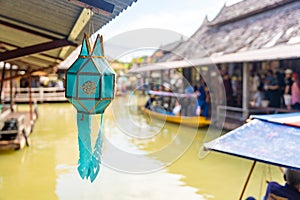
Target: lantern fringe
(89, 162)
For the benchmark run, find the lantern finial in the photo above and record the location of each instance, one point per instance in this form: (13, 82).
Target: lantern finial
(98, 47)
(85, 48)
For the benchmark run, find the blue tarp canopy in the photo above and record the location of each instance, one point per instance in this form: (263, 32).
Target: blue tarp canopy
(272, 139)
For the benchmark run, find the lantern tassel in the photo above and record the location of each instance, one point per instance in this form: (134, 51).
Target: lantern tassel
(96, 159)
(88, 163)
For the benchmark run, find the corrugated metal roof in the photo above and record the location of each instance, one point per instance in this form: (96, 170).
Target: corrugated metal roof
(34, 22)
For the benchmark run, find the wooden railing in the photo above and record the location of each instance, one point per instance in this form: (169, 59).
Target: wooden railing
(48, 94)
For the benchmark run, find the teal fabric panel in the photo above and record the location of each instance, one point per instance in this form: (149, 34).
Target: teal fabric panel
(77, 105)
(71, 85)
(102, 106)
(107, 86)
(84, 143)
(84, 48)
(89, 67)
(89, 160)
(89, 104)
(88, 86)
(76, 65)
(103, 65)
(97, 48)
(96, 159)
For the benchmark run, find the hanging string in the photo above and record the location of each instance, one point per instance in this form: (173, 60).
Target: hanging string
(90, 13)
(92, 29)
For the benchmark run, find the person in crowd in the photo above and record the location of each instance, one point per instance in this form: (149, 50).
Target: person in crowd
(272, 89)
(167, 100)
(228, 88)
(281, 83)
(201, 106)
(59, 84)
(149, 102)
(295, 92)
(288, 88)
(258, 97)
(255, 82)
(176, 110)
(188, 102)
(291, 189)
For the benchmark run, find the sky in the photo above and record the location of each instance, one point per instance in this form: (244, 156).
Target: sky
(148, 24)
(182, 16)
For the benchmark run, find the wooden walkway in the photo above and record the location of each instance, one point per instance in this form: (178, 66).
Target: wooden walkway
(235, 117)
(40, 95)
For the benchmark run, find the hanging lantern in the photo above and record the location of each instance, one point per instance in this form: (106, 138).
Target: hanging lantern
(90, 87)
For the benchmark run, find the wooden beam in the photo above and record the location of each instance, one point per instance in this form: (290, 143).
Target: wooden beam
(8, 47)
(39, 32)
(83, 19)
(26, 51)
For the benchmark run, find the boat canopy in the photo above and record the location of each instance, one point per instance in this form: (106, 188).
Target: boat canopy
(169, 94)
(272, 139)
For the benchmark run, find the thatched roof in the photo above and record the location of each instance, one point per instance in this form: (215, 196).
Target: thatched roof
(246, 26)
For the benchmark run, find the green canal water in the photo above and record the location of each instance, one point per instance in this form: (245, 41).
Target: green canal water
(142, 159)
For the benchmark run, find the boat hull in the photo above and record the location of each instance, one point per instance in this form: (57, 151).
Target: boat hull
(195, 121)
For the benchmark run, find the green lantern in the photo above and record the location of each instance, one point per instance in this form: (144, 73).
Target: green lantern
(90, 87)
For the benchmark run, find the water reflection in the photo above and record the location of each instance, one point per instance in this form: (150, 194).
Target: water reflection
(47, 169)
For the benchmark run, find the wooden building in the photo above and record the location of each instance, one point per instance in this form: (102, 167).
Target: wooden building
(36, 36)
(245, 38)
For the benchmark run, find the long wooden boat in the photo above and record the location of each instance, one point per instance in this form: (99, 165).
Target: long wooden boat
(14, 134)
(194, 121)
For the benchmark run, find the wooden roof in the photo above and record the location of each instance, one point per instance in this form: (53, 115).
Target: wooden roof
(264, 25)
(40, 34)
(245, 9)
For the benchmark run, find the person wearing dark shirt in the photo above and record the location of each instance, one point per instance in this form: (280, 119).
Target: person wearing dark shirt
(201, 99)
(288, 88)
(149, 102)
(272, 90)
(289, 191)
(228, 88)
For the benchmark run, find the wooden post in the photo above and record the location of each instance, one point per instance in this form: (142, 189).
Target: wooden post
(11, 90)
(30, 94)
(246, 74)
(2, 82)
(162, 78)
(247, 180)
